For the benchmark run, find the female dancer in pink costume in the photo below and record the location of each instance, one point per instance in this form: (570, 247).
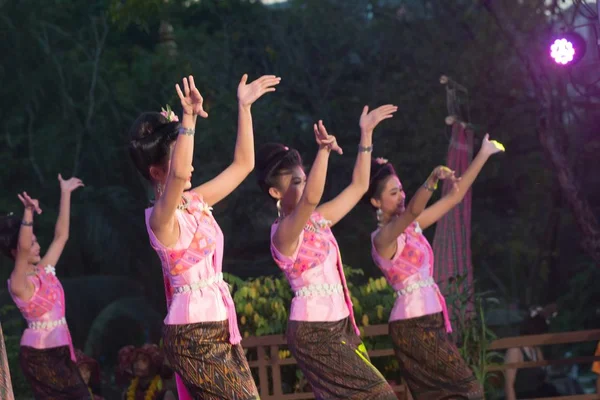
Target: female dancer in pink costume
(419, 323)
(201, 337)
(46, 356)
(321, 334)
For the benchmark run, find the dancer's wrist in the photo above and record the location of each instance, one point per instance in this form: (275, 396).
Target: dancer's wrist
(189, 120)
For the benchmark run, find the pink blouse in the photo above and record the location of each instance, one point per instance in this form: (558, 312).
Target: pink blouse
(193, 269)
(45, 312)
(410, 273)
(315, 273)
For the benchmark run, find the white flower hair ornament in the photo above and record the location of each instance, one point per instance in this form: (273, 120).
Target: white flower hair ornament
(169, 114)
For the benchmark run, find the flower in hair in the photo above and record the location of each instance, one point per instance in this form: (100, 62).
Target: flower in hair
(381, 160)
(169, 114)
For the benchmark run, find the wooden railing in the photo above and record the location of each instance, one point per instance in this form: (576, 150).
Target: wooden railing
(268, 364)
(549, 339)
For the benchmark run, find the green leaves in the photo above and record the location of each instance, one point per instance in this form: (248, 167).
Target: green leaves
(470, 329)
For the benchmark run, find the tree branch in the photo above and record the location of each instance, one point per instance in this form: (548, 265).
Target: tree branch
(550, 130)
(34, 164)
(87, 126)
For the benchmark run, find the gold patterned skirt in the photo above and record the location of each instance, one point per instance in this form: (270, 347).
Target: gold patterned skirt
(211, 367)
(334, 361)
(52, 374)
(430, 362)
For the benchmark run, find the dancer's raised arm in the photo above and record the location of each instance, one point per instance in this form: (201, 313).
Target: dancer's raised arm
(288, 231)
(223, 184)
(433, 213)
(179, 174)
(61, 230)
(19, 285)
(335, 209)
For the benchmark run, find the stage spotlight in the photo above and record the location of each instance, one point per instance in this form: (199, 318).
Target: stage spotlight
(568, 48)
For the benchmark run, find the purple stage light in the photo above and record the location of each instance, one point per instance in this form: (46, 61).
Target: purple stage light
(562, 51)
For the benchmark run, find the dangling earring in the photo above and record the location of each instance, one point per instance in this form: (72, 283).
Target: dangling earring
(279, 209)
(159, 189)
(379, 215)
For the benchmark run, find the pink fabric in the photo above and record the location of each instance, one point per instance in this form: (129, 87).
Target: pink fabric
(197, 256)
(412, 263)
(317, 260)
(452, 241)
(47, 304)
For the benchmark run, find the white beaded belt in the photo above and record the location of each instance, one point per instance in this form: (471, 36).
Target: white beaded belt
(198, 284)
(320, 289)
(47, 324)
(416, 286)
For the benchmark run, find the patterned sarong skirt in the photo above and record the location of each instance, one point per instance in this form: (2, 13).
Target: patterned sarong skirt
(211, 367)
(430, 362)
(335, 362)
(52, 374)
(6, 391)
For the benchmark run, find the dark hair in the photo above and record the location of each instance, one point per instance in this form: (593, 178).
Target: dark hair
(9, 234)
(271, 160)
(534, 326)
(379, 174)
(150, 137)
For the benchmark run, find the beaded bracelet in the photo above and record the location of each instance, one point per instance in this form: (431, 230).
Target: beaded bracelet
(187, 131)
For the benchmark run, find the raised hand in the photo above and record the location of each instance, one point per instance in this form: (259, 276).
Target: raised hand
(28, 202)
(369, 120)
(442, 172)
(324, 139)
(69, 185)
(191, 99)
(248, 93)
(490, 147)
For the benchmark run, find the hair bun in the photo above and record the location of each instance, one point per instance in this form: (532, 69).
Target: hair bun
(149, 139)
(381, 168)
(271, 158)
(269, 153)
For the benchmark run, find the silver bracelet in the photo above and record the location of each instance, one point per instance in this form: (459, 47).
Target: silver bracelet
(187, 131)
(26, 223)
(431, 189)
(365, 149)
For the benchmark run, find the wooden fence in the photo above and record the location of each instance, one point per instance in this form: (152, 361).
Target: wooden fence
(268, 363)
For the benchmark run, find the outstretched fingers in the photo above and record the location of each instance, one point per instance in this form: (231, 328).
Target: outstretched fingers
(179, 92)
(365, 111)
(267, 85)
(386, 111)
(186, 87)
